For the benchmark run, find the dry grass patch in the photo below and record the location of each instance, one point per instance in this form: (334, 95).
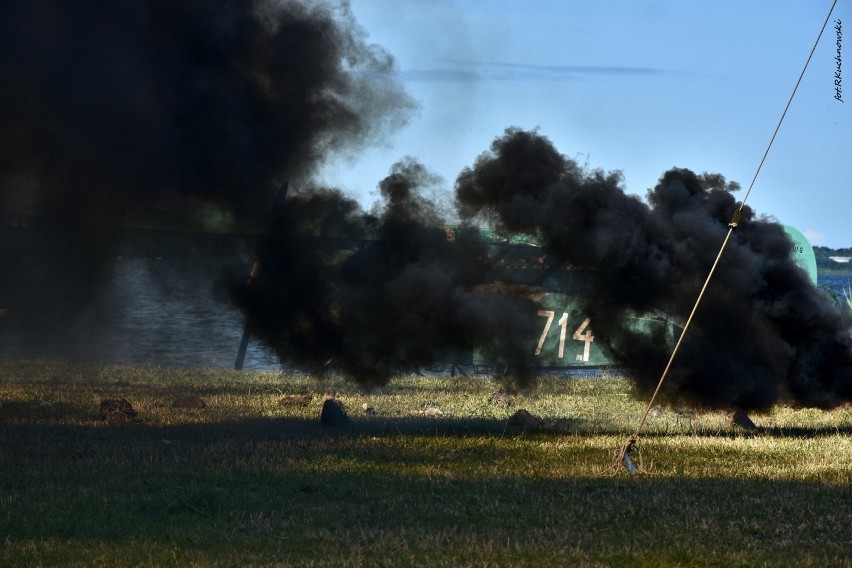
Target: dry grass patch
(433, 475)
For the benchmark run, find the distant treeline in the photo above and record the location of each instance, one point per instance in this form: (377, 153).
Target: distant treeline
(825, 264)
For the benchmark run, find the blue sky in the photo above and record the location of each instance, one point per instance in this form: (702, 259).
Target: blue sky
(636, 86)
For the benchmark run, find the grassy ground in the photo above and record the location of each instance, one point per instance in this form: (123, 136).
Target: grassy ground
(431, 475)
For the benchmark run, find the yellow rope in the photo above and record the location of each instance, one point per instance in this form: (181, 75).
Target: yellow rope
(630, 444)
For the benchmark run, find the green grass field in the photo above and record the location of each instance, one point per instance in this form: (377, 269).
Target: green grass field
(431, 474)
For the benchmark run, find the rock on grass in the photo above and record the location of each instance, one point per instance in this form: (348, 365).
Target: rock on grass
(741, 419)
(523, 419)
(296, 399)
(502, 399)
(190, 402)
(116, 408)
(333, 414)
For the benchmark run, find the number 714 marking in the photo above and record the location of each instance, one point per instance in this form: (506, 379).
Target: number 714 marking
(580, 334)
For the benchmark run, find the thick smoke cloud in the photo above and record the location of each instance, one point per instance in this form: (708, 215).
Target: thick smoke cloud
(109, 108)
(374, 295)
(112, 110)
(763, 332)
(408, 292)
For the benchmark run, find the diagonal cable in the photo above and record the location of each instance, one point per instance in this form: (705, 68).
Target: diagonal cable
(628, 446)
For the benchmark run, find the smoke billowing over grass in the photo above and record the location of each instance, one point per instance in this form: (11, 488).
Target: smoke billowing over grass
(109, 109)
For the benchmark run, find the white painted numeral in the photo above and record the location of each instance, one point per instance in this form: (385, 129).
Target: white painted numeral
(549, 315)
(581, 334)
(563, 323)
(586, 337)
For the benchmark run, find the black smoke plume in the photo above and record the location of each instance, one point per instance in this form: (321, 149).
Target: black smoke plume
(374, 295)
(763, 333)
(113, 110)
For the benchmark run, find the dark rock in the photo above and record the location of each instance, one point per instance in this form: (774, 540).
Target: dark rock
(296, 399)
(190, 402)
(741, 419)
(523, 419)
(502, 399)
(116, 408)
(333, 414)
